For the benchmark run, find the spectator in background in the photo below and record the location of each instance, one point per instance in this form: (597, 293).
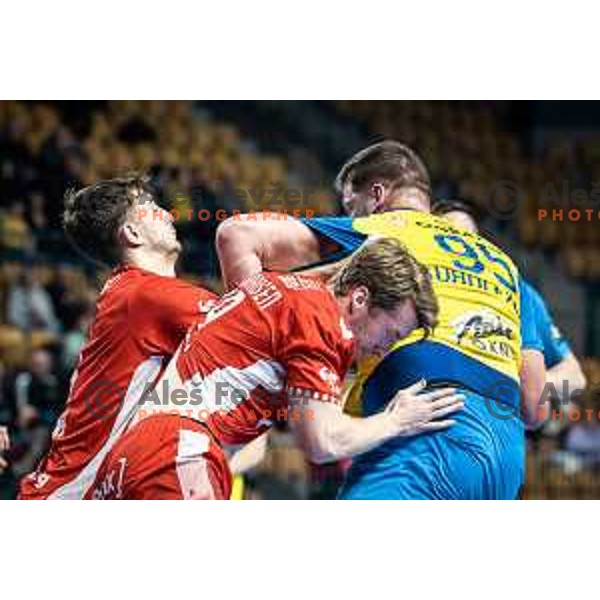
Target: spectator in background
(29, 305)
(37, 393)
(75, 337)
(583, 437)
(37, 211)
(15, 233)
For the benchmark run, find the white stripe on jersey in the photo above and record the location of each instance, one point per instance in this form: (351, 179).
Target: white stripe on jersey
(192, 469)
(225, 389)
(144, 374)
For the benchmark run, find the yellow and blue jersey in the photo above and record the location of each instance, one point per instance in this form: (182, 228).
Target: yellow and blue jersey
(483, 324)
(480, 333)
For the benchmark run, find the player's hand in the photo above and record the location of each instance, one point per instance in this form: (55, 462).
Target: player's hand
(4, 439)
(412, 411)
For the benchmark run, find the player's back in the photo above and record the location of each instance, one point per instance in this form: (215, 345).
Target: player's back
(124, 354)
(476, 343)
(254, 355)
(476, 347)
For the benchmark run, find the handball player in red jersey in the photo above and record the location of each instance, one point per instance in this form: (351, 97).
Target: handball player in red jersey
(142, 315)
(278, 348)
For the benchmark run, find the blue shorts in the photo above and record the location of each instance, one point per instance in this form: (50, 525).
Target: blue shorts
(481, 457)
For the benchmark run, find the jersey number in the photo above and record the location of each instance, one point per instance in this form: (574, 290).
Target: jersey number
(469, 258)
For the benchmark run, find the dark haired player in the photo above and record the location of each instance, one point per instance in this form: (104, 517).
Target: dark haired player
(142, 315)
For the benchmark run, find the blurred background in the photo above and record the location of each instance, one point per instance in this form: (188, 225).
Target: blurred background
(206, 154)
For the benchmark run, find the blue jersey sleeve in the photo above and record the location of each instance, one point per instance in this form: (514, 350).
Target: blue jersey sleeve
(531, 338)
(554, 346)
(338, 230)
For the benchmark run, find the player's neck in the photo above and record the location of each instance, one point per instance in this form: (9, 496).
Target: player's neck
(408, 200)
(154, 263)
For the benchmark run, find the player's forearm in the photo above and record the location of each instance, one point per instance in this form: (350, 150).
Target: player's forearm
(569, 371)
(533, 380)
(249, 457)
(335, 438)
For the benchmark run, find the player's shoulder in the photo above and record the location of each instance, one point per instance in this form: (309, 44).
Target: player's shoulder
(154, 289)
(531, 295)
(290, 291)
(313, 302)
(295, 282)
(303, 291)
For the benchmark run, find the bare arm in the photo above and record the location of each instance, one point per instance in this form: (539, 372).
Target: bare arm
(533, 380)
(567, 370)
(324, 272)
(326, 434)
(246, 246)
(250, 456)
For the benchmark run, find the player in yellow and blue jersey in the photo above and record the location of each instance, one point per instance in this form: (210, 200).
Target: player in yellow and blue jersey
(476, 347)
(563, 370)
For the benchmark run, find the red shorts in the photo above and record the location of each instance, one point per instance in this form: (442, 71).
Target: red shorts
(164, 457)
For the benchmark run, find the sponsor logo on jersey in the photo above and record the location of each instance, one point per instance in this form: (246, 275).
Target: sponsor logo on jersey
(481, 324)
(331, 379)
(481, 329)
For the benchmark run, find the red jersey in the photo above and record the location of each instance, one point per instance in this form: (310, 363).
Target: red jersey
(141, 318)
(277, 340)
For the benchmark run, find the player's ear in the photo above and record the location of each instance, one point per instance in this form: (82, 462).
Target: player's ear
(360, 300)
(378, 192)
(129, 236)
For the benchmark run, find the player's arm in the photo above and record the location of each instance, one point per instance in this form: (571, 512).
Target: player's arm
(567, 370)
(245, 246)
(326, 434)
(563, 368)
(250, 456)
(533, 368)
(316, 352)
(533, 381)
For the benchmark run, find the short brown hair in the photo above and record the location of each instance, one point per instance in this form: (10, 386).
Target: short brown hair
(93, 215)
(388, 160)
(392, 275)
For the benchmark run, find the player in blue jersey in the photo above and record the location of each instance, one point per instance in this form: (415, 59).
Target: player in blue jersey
(483, 455)
(563, 370)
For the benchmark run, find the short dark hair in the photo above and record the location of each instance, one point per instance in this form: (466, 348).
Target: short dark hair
(392, 275)
(444, 206)
(93, 215)
(390, 160)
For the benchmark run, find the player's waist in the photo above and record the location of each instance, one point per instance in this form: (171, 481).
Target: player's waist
(438, 364)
